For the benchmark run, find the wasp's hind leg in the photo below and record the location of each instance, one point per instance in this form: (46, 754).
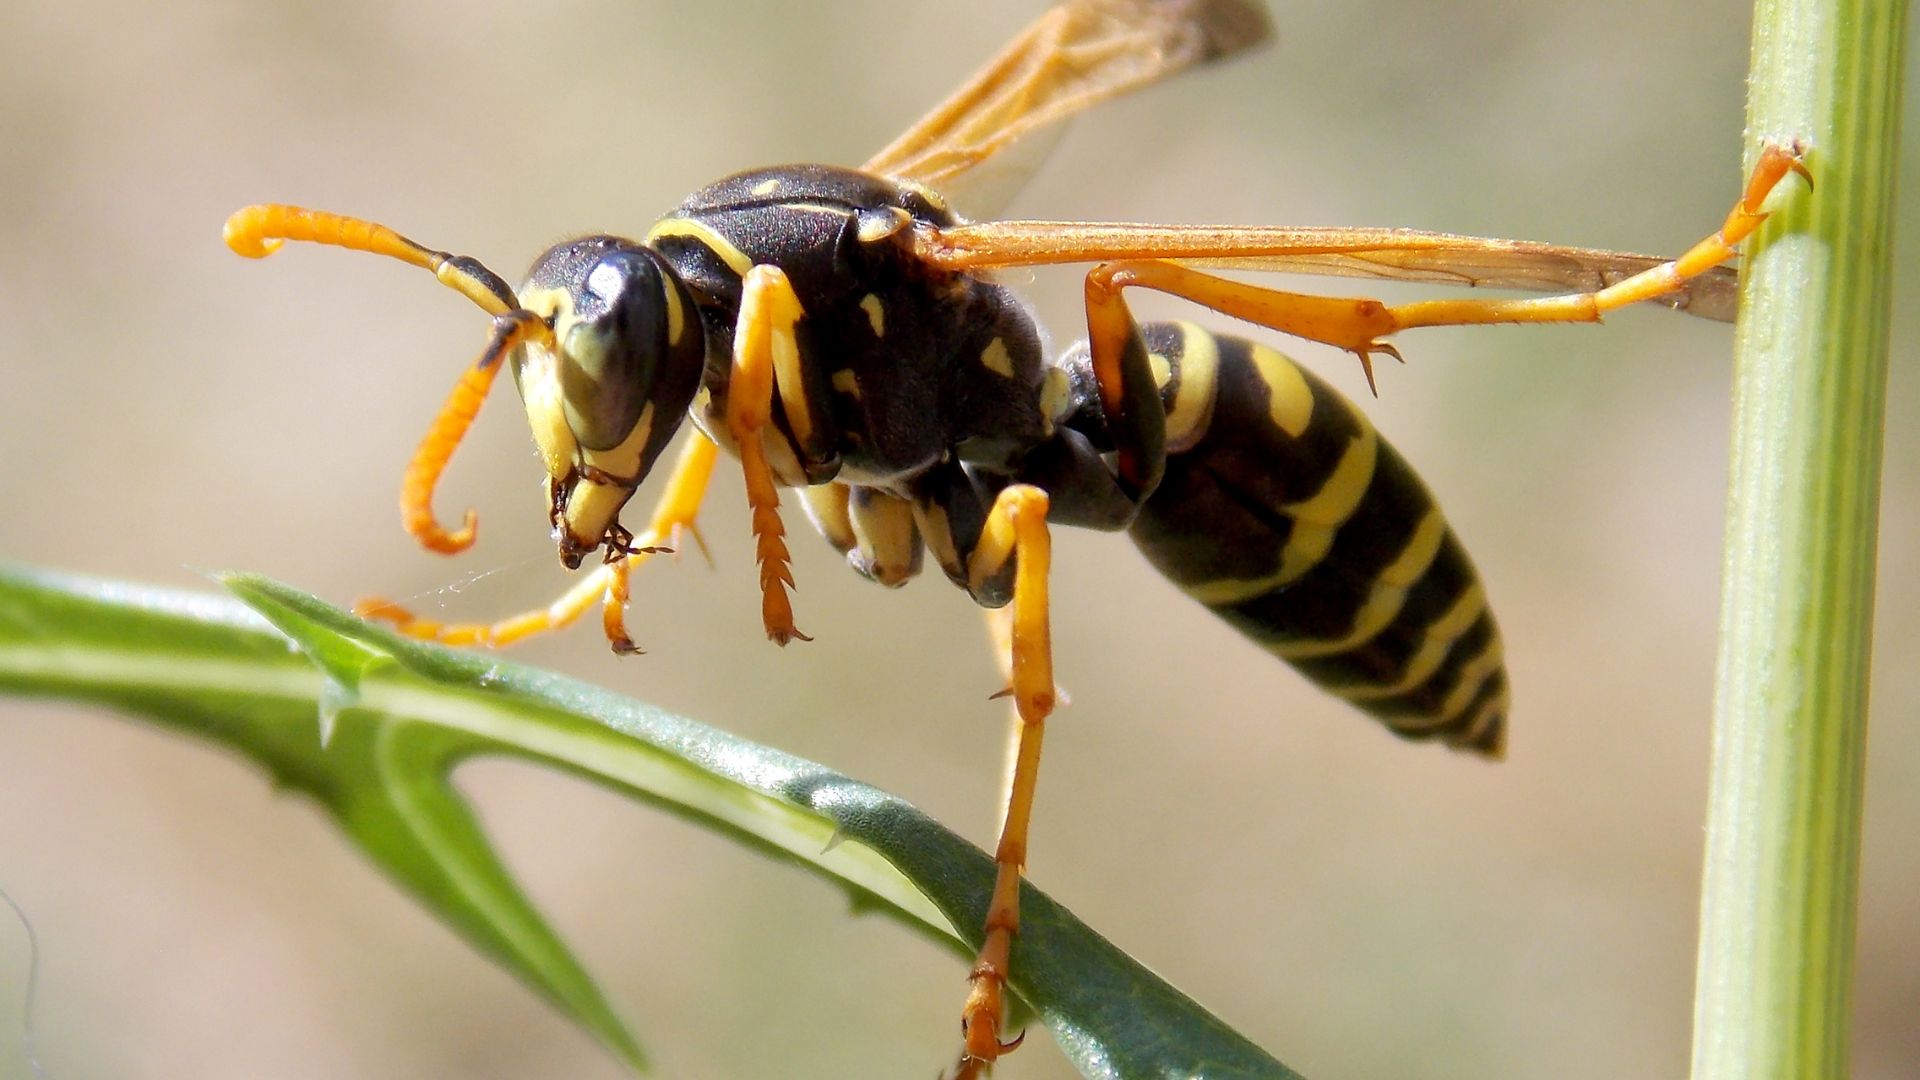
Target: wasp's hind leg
(1361, 325)
(1010, 545)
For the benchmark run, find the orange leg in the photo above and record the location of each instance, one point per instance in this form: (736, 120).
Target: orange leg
(673, 517)
(763, 342)
(1360, 325)
(259, 231)
(1016, 527)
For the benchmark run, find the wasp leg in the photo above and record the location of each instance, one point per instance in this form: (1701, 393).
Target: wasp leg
(763, 345)
(673, 517)
(1360, 325)
(1015, 530)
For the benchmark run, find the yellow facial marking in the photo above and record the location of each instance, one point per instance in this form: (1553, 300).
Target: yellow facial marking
(676, 318)
(546, 411)
(1289, 398)
(593, 505)
(765, 187)
(876, 314)
(995, 358)
(624, 460)
(687, 228)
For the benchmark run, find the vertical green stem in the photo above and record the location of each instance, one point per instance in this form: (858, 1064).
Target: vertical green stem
(1783, 837)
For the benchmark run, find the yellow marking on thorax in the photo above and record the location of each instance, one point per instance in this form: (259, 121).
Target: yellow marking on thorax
(722, 248)
(874, 228)
(1289, 398)
(876, 314)
(996, 359)
(934, 198)
(765, 187)
(845, 382)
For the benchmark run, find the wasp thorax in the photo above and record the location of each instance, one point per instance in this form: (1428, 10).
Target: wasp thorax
(608, 395)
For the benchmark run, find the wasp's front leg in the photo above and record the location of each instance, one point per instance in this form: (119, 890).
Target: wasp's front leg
(766, 363)
(673, 517)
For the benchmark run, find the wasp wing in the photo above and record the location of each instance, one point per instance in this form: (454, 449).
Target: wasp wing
(1080, 53)
(1384, 254)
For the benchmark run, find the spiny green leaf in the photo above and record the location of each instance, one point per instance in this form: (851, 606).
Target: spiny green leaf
(370, 725)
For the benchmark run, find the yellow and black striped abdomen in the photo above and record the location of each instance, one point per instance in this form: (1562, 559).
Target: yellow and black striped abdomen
(1284, 512)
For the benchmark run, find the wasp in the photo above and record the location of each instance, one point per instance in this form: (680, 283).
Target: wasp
(839, 332)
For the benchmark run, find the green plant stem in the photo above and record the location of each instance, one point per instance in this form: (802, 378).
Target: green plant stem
(1783, 836)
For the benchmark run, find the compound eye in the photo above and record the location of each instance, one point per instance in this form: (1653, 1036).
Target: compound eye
(606, 282)
(612, 346)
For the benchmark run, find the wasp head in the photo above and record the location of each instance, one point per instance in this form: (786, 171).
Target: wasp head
(607, 396)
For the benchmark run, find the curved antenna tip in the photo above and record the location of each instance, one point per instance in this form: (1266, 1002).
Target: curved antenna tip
(244, 235)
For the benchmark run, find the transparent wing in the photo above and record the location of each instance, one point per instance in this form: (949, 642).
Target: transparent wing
(1080, 53)
(1384, 254)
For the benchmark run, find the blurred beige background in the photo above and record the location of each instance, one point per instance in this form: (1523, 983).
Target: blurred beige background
(1361, 907)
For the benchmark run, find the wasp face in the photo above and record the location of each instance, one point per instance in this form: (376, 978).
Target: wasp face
(608, 396)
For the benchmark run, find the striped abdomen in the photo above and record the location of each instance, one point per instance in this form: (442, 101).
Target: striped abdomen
(1286, 514)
